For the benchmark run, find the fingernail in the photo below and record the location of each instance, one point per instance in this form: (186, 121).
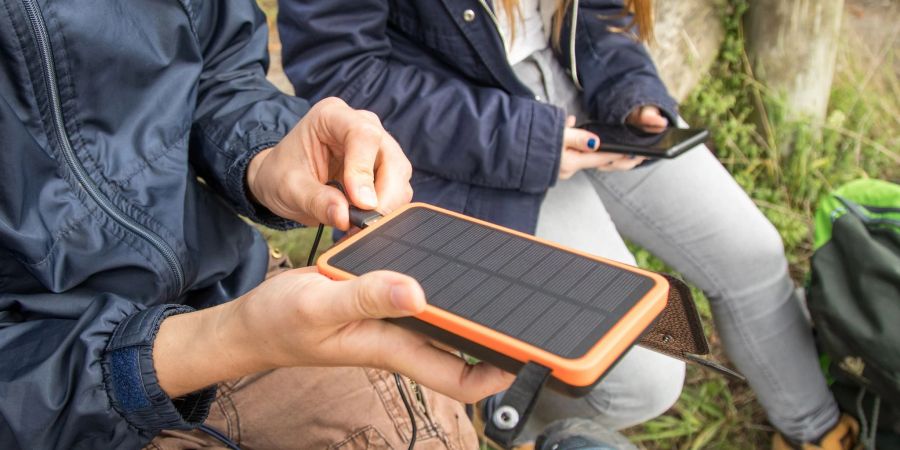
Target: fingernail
(592, 143)
(367, 196)
(399, 297)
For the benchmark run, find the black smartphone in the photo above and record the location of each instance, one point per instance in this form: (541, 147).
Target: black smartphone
(626, 139)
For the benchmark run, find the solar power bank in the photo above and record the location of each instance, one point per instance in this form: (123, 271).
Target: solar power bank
(506, 297)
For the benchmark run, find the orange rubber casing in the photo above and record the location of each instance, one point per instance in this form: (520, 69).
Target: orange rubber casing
(581, 372)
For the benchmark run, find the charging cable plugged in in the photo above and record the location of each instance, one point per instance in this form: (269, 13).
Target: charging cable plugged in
(362, 218)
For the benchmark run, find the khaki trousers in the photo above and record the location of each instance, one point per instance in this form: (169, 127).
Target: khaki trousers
(319, 408)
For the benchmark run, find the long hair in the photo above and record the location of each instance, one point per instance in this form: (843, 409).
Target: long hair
(641, 11)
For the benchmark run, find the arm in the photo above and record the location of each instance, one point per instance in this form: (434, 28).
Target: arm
(301, 318)
(76, 371)
(98, 371)
(446, 125)
(238, 112)
(614, 69)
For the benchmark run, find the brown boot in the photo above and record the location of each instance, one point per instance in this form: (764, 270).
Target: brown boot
(843, 436)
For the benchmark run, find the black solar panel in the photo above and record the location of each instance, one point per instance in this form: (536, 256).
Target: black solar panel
(550, 298)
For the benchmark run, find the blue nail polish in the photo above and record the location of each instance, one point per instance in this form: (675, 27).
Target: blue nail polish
(592, 143)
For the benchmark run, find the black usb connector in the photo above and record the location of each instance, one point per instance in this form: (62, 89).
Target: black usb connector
(362, 218)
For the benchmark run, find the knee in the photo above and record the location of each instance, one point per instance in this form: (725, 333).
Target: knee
(747, 262)
(649, 391)
(657, 390)
(764, 246)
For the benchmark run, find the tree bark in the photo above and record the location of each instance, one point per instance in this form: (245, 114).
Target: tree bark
(792, 45)
(688, 36)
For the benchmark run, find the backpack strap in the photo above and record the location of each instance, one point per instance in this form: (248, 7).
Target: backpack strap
(862, 212)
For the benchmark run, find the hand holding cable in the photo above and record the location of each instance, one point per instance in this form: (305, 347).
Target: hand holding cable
(333, 141)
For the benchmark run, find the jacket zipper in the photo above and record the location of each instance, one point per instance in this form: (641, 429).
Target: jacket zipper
(39, 29)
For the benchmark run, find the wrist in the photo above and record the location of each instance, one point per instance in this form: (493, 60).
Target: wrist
(202, 348)
(252, 178)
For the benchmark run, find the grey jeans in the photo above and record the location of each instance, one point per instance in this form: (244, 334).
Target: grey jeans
(691, 213)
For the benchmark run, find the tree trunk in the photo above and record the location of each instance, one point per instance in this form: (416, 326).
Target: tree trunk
(688, 36)
(792, 45)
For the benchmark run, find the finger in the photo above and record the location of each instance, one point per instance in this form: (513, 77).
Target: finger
(622, 164)
(648, 118)
(651, 117)
(581, 140)
(356, 137)
(570, 121)
(412, 355)
(362, 148)
(581, 160)
(375, 295)
(392, 175)
(311, 203)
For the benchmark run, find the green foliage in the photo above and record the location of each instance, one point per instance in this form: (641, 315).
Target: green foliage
(785, 166)
(704, 417)
(296, 243)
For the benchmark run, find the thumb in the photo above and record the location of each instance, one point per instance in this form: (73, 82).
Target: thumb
(570, 121)
(377, 295)
(581, 140)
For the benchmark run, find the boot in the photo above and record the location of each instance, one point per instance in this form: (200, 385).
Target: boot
(843, 436)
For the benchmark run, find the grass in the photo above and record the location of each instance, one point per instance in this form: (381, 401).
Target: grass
(785, 170)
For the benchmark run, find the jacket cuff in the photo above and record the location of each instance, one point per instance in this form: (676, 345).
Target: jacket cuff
(131, 381)
(544, 148)
(236, 182)
(640, 94)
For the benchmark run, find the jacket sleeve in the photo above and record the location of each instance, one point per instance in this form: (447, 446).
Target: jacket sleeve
(238, 112)
(613, 68)
(447, 126)
(76, 371)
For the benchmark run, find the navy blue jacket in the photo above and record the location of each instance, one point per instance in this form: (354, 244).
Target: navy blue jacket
(109, 112)
(478, 139)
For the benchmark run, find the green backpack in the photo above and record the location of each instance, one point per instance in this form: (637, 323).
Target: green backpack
(854, 300)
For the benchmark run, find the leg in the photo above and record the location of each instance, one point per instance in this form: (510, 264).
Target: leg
(692, 214)
(335, 408)
(644, 384)
(573, 215)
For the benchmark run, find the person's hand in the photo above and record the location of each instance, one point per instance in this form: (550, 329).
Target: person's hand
(301, 318)
(648, 118)
(580, 151)
(332, 141)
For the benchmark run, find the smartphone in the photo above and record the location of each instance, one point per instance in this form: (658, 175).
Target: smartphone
(626, 139)
(506, 297)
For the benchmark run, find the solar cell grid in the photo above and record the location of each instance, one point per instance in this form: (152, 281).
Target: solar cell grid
(450, 231)
(459, 288)
(545, 296)
(406, 262)
(503, 304)
(480, 297)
